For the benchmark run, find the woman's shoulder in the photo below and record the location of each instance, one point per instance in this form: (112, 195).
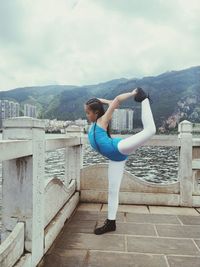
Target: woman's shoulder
(102, 123)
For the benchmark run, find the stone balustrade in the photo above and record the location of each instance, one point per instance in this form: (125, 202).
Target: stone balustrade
(34, 210)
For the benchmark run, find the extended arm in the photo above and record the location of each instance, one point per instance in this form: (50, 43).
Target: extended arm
(105, 101)
(115, 104)
(120, 97)
(124, 96)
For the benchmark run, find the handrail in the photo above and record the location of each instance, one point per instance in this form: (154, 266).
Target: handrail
(12, 149)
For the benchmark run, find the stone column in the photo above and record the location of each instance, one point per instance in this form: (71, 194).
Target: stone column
(185, 163)
(23, 185)
(74, 157)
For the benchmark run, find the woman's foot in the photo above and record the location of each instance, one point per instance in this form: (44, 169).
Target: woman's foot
(141, 95)
(109, 225)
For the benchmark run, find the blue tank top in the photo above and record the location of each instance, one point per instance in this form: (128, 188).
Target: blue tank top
(106, 145)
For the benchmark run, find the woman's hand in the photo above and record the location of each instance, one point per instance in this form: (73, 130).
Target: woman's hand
(134, 92)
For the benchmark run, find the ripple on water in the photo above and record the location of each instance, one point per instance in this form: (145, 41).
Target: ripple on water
(150, 163)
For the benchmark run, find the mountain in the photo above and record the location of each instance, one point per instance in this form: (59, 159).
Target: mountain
(39, 96)
(175, 96)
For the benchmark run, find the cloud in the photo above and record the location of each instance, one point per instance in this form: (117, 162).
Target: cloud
(83, 42)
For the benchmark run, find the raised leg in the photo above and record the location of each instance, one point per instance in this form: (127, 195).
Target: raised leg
(130, 144)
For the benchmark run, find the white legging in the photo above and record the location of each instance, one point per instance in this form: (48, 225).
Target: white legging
(128, 146)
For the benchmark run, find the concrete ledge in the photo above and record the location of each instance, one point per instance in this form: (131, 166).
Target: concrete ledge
(23, 121)
(12, 149)
(135, 198)
(56, 143)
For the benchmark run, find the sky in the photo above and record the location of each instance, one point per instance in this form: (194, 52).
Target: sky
(81, 42)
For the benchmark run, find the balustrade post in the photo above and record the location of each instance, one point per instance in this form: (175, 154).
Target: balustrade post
(185, 163)
(23, 185)
(74, 158)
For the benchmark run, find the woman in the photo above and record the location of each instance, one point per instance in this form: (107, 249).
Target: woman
(116, 149)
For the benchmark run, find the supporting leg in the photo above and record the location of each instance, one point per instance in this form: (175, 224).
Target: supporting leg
(130, 144)
(115, 174)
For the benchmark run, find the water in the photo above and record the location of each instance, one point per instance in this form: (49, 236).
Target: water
(153, 164)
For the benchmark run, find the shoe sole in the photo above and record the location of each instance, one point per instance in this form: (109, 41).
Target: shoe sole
(104, 232)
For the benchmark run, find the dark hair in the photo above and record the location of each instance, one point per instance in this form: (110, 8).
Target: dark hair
(96, 105)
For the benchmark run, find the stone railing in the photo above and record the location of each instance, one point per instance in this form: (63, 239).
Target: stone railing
(133, 190)
(34, 210)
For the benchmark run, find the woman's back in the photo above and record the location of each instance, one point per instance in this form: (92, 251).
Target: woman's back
(104, 144)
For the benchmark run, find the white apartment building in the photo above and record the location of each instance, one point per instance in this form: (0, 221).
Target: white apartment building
(30, 110)
(130, 119)
(122, 119)
(8, 109)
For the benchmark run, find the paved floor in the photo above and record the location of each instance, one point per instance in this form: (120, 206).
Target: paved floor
(145, 236)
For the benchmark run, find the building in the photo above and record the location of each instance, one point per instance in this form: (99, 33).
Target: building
(30, 110)
(122, 119)
(81, 122)
(8, 109)
(130, 119)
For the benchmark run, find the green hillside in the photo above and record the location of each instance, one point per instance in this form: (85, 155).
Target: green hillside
(175, 95)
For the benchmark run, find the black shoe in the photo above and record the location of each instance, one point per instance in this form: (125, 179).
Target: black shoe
(109, 225)
(141, 95)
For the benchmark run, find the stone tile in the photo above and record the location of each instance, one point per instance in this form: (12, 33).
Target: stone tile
(160, 245)
(91, 241)
(94, 215)
(89, 206)
(129, 208)
(173, 210)
(116, 259)
(81, 215)
(183, 261)
(132, 229)
(185, 231)
(120, 216)
(152, 218)
(64, 258)
(189, 220)
(197, 241)
(77, 226)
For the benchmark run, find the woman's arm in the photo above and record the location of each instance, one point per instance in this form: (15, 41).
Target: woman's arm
(124, 96)
(105, 101)
(120, 97)
(115, 104)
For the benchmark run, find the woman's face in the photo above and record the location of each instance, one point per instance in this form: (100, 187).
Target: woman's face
(90, 114)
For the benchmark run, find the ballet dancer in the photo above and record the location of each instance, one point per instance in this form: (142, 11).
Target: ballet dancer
(116, 149)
